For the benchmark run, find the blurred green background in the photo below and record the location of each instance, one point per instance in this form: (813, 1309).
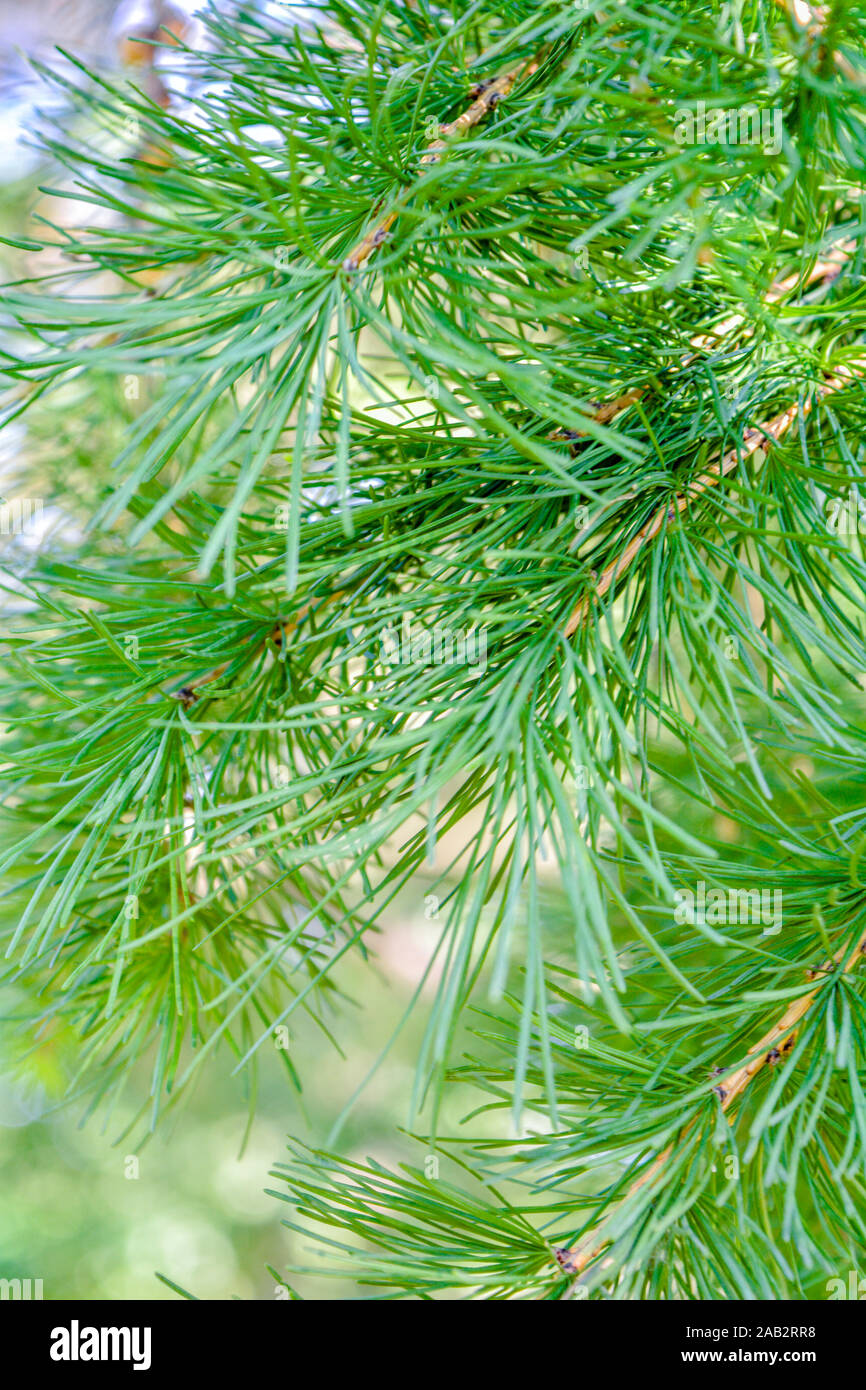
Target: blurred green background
(95, 1214)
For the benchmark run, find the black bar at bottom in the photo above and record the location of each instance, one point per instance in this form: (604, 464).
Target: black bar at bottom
(296, 1340)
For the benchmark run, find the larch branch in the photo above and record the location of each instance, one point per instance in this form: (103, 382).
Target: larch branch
(487, 96)
(770, 1049)
(753, 440)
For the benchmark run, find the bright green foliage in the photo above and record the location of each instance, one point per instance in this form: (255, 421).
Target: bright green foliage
(226, 758)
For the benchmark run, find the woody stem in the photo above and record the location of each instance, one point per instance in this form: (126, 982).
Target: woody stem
(769, 1048)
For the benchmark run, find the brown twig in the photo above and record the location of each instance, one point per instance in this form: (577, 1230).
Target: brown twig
(812, 18)
(827, 269)
(166, 27)
(770, 1049)
(753, 440)
(279, 633)
(779, 1040)
(487, 96)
